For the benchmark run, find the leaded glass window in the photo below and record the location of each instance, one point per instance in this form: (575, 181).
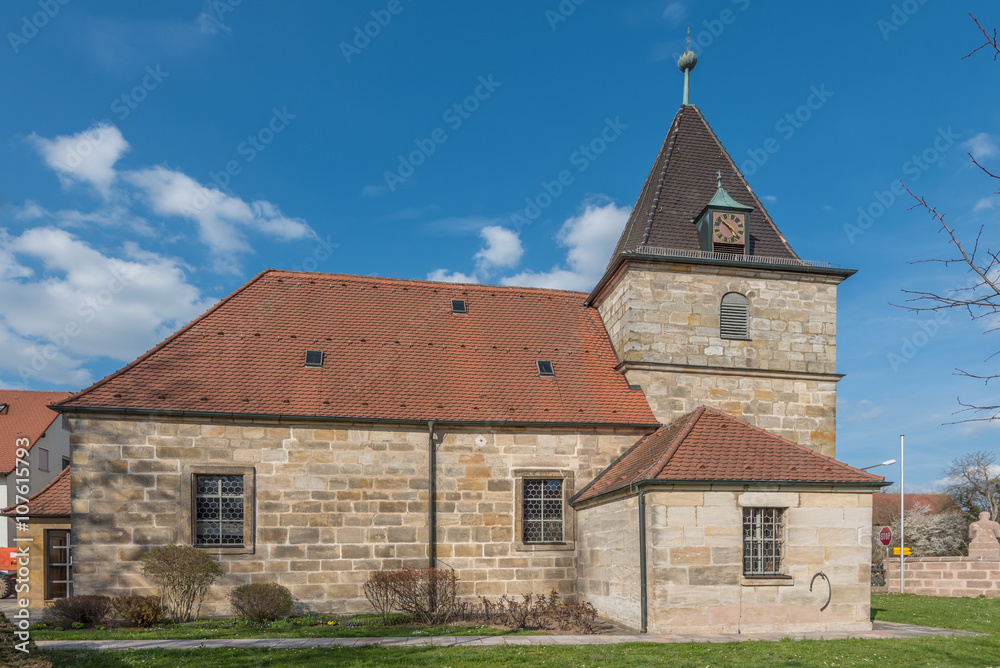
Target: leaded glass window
(543, 511)
(763, 541)
(219, 509)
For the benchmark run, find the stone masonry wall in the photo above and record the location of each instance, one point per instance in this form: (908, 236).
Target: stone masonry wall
(696, 582)
(781, 379)
(608, 573)
(803, 411)
(331, 505)
(946, 576)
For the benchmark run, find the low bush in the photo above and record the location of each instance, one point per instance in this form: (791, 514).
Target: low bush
(381, 594)
(532, 611)
(79, 611)
(429, 594)
(183, 574)
(140, 611)
(261, 601)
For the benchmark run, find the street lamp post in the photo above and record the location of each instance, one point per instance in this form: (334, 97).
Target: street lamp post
(885, 463)
(902, 517)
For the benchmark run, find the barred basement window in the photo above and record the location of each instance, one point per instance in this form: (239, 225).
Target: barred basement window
(219, 510)
(763, 541)
(734, 317)
(542, 504)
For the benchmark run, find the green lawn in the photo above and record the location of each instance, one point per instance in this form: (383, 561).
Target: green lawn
(306, 626)
(966, 614)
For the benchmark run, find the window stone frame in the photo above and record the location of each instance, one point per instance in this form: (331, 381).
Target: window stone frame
(187, 511)
(569, 525)
(768, 579)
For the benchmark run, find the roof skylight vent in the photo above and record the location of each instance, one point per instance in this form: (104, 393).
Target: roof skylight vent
(545, 368)
(458, 306)
(314, 358)
(3, 409)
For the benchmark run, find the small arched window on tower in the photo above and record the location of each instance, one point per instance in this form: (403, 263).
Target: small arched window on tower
(734, 317)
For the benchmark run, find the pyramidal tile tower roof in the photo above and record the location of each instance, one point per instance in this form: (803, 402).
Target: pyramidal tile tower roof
(708, 445)
(682, 181)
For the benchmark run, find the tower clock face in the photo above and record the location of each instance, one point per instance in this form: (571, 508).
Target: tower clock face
(728, 228)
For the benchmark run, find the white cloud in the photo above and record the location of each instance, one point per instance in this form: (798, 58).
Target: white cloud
(87, 156)
(589, 238)
(675, 13)
(984, 204)
(769, 198)
(83, 303)
(451, 277)
(502, 249)
(373, 191)
(219, 216)
(982, 146)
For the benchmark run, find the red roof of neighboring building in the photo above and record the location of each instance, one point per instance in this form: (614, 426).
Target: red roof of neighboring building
(707, 445)
(53, 499)
(26, 416)
(393, 350)
(885, 507)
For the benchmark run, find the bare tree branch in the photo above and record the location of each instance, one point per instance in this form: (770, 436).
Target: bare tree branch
(989, 42)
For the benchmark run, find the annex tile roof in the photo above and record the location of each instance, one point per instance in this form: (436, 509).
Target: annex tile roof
(707, 445)
(26, 416)
(53, 499)
(682, 181)
(392, 350)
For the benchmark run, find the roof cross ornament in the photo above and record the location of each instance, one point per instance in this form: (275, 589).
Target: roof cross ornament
(685, 64)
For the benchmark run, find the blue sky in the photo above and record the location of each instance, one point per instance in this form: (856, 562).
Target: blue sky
(154, 157)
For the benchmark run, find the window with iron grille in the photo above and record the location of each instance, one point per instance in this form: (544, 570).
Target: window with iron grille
(763, 541)
(219, 502)
(734, 317)
(542, 506)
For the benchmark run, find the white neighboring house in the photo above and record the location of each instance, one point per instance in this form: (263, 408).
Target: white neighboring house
(24, 414)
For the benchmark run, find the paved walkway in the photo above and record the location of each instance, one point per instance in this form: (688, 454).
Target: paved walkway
(880, 630)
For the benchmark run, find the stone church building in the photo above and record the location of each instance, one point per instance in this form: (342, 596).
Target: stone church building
(662, 446)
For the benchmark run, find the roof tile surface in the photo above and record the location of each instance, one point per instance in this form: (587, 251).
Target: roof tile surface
(393, 350)
(708, 445)
(682, 181)
(53, 499)
(26, 416)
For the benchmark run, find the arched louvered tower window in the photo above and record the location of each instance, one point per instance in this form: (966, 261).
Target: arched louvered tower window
(734, 317)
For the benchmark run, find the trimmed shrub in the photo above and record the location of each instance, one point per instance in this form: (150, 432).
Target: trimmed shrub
(183, 574)
(428, 594)
(140, 611)
(261, 601)
(86, 611)
(381, 594)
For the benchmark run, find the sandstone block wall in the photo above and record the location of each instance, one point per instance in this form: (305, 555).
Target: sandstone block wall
(608, 573)
(332, 504)
(946, 576)
(663, 320)
(695, 568)
(803, 411)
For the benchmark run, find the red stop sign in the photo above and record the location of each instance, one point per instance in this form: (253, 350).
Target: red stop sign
(885, 536)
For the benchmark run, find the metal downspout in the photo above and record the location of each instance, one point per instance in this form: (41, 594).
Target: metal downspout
(431, 494)
(643, 601)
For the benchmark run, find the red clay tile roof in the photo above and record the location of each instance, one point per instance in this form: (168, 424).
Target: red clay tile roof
(393, 350)
(53, 499)
(707, 445)
(680, 184)
(885, 507)
(26, 416)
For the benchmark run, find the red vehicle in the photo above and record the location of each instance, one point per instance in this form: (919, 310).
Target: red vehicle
(8, 570)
